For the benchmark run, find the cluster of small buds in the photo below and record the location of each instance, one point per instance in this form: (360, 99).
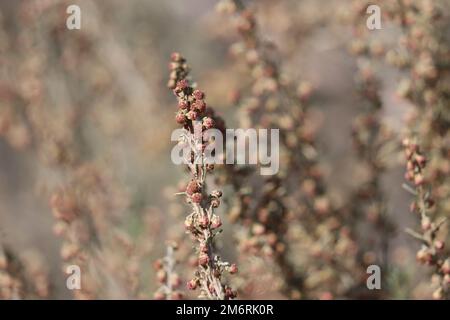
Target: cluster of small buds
(74, 232)
(11, 286)
(202, 223)
(370, 138)
(421, 55)
(191, 102)
(432, 251)
(166, 276)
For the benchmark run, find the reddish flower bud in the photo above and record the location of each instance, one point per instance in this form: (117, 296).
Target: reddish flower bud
(192, 187)
(199, 105)
(425, 223)
(180, 118)
(405, 142)
(192, 284)
(198, 94)
(215, 203)
(176, 295)
(439, 245)
(182, 104)
(161, 275)
(419, 179)
(421, 160)
(175, 56)
(258, 229)
(203, 259)
(216, 222)
(182, 84)
(208, 123)
(175, 280)
(191, 115)
(159, 296)
(158, 264)
(233, 269)
(229, 293)
(204, 221)
(197, 197)
(446, 266)
(203, 247)
(424, 256)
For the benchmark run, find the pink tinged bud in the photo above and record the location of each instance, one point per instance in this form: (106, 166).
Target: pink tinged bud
(208, 123)
(229, 293)
(161, 275)
(182, 104)
(159, 296)
(176, 295)
(182, 84)
(175, 280)
(446, 266)
(425, 224)
(419, 179)
(192, 284)
(175, 57)
(204, 221)
(158, 264)
(233, 269)
(199, 105)
(421, 160)
(216, 222)
(191, 115)
(196, 197)
(203, 247)
(203, 259)
(439, 245)
(198, 94)
(180, 118)
(192, 187)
